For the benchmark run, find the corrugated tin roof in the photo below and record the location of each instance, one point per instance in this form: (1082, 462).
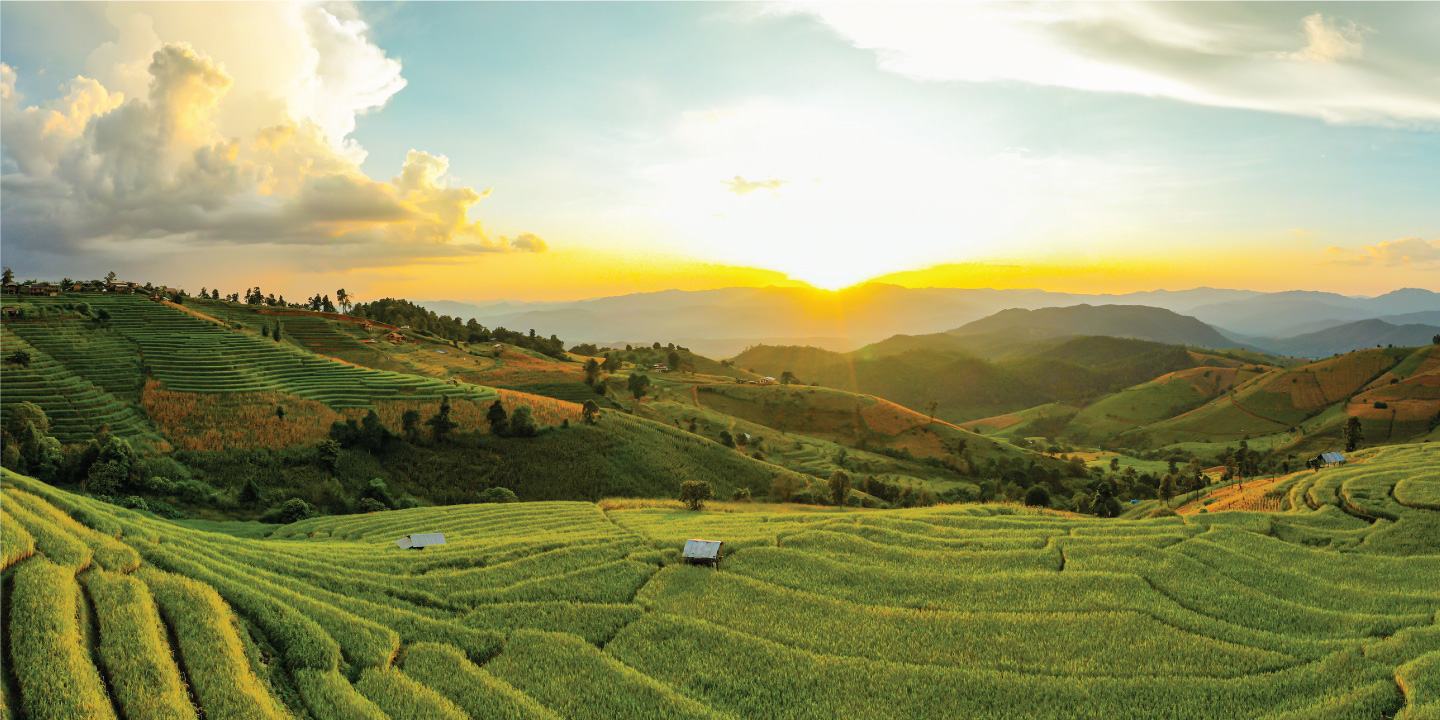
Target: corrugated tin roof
(1333, 457)
(420, 540)
(702, 549)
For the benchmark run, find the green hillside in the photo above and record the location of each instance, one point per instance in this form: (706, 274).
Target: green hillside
(917, 371)
(575, 610)
(227, 421)
(1290, 403)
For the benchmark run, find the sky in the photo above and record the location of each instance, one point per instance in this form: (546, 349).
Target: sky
(542, 151)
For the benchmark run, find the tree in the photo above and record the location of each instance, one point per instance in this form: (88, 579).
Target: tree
(7, 277)
(694, 493)
(1114, 464)
(1037, 496)
(727, 439)
(1167, 488)
(275, 334)
(499, 421)
(673, 360)
(379, 491)
(328, 452)
(440, 424)
(249, 493)
(19, 357)
(787, 378)
(741, 494)
(638, 384)
(592, 372)
(497, 495)
(839, 487)
(611, 363)
(373, 433)
(109, 277)
(1354, 435)
(292, 510)
(343, 298)
(522, 422)
(590, 410)
(410, 425)
(280, 412)
(1105, 505)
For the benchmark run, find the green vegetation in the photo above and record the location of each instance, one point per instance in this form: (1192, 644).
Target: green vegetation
(1324, 608)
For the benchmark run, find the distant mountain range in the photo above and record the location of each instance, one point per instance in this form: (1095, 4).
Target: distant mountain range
(1352, 336)
(725, 321)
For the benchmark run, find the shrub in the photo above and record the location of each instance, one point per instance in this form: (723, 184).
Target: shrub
(369, 505)
(1037, 497)
(292, 510)
(741, 494)
(522, 422)
(497, 495)
(694, 493)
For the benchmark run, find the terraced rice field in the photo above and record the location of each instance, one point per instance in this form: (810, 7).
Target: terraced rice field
(565, 609)
(76, 405)
(190, 354)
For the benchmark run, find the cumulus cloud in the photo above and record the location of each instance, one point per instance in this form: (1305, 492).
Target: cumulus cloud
(1375, 65)
(528, 241)
(741, 186)
(1405, 251)
(1330, 40)
(177, 162)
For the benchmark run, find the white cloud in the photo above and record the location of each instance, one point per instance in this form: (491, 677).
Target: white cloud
(1404, 251)
(741, 186)
(251, 149)
(1330, 40)
(1262, 57)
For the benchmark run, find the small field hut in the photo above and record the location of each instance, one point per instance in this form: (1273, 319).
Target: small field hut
(420, 541)
(702, 552)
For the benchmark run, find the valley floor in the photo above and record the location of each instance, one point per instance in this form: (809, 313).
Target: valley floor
(1328, 607)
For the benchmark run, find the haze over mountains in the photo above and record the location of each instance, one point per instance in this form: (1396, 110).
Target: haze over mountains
(723, 322)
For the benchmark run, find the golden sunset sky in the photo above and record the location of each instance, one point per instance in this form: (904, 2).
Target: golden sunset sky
(557, 151)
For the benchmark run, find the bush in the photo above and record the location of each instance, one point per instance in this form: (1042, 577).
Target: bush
(1037, 497)
(522, 422)
(292, 510)
(741, 494)
(498, 495)
(369, 505)
(694, 493)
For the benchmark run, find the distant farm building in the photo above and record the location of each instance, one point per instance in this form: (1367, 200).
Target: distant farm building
(702, 552)
(1326, 459)
(420, 541)
(395, 337)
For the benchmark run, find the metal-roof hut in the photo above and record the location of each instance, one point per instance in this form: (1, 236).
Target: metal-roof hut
(420, 541)
(702, 552)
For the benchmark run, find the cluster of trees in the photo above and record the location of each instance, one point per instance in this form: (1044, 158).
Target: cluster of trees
(107, 465)
(392, 311)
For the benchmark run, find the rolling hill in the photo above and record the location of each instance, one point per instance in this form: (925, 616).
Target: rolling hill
(916, 371)
(1127, 321)
(1324, 609)
(1352, 336)
(232, 421)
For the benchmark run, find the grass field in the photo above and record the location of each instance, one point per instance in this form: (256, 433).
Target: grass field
(1325, 609)
(188, 353)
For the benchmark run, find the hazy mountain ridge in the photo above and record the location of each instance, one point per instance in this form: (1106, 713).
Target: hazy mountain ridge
(724, 321)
